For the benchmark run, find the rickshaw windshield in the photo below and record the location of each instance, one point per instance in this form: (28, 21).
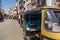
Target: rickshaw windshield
(52, 20)
(32, 16)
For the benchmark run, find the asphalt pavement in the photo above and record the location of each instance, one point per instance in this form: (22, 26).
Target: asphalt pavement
(10, 30)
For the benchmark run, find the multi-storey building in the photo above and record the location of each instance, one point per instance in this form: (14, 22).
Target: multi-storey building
(12, 12)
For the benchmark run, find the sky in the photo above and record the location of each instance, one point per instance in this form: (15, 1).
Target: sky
(6, 4)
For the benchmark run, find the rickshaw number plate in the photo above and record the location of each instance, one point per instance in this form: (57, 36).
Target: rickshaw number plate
(33, 29)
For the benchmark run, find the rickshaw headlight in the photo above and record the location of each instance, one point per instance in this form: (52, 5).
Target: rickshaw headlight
(28, 28)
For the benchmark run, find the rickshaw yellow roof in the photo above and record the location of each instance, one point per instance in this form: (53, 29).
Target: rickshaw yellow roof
(51, 7)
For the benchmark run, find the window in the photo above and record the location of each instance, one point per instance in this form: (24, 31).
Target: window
(20, 1)
(23, 2)
(29, 6)
(41, 1)
(52, 20)
(33, 4)
(26, 0)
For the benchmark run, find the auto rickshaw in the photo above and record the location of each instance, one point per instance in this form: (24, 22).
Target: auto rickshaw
(31, 23)
(50, 25)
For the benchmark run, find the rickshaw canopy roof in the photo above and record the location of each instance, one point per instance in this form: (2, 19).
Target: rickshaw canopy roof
(39, 9)
(33, 10)
(51, 7)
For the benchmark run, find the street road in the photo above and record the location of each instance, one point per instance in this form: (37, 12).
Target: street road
(10, 30)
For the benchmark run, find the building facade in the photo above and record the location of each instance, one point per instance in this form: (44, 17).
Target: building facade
(17, 6)
(12, 12)
(21, 7)
(38, 3)
(27, 5)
